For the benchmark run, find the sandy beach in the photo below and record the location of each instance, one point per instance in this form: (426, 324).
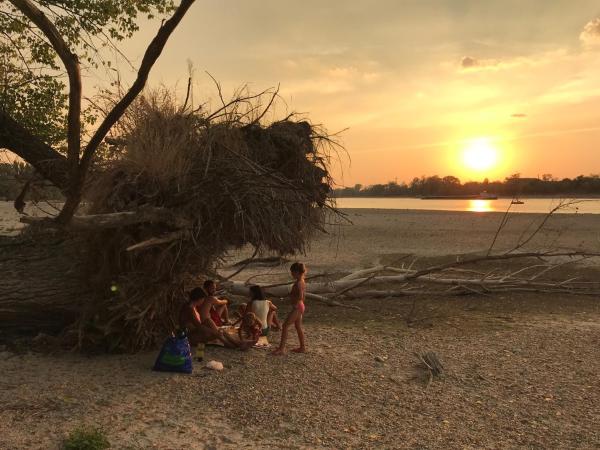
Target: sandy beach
(521, 370)
(342, 225)
(376, 235)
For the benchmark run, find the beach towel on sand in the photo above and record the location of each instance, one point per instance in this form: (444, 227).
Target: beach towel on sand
(175, 356)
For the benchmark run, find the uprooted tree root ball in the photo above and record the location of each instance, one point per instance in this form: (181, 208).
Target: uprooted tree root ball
(175, 191)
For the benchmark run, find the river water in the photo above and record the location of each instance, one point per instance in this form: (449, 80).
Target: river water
(530, 205)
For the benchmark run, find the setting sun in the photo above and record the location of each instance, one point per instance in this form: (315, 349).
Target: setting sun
(480, 155)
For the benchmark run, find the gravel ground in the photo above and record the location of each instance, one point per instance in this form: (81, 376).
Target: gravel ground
(520, 373)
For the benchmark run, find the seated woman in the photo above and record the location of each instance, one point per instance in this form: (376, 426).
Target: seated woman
(190, 319)
(247, 335)
(264, 309)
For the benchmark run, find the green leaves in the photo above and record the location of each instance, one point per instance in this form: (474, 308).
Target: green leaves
(86, 438)
(35, 98)
(32, 79)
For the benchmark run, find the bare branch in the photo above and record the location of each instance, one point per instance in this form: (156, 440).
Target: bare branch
(219, 90)
(273, 97)
(118, 219)
(152, 53)
(187, 95)
(503, 223)
(170, 237)
(246, 264)
(561, 205)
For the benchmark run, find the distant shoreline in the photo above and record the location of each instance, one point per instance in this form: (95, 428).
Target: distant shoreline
(449, 212)
(418, 211)
(504, 197)
(529, 205)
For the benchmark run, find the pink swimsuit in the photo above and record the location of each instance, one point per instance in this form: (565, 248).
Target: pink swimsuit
(300, 307)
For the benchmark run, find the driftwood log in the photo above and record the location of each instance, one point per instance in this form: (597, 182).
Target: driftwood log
(95, 222)
(448, 278)
(41, 288)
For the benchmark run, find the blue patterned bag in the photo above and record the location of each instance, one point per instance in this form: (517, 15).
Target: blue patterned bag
(175, 356)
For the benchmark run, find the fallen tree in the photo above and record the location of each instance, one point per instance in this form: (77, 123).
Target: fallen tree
(454, 279)
(180, 189)
(41, 287)
(169, 192)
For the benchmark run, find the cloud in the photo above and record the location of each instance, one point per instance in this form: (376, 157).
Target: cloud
(467, 62)
(314, 75)
(470, 63)
(591, 33)
(352, 73)
(335, 80)
(518, 115)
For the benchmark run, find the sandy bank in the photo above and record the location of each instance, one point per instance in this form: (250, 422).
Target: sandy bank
(522, 371)
(376, 232)
(383, 235)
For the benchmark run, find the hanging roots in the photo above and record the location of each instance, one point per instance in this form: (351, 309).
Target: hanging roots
(179, 188)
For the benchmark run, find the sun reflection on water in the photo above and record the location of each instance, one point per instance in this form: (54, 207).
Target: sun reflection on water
(480, 206)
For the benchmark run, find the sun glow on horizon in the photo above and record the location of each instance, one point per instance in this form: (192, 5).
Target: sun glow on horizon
(479, 206)
(480, 155)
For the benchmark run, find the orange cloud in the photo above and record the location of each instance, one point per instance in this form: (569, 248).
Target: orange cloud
(591, 33)
(468, 62)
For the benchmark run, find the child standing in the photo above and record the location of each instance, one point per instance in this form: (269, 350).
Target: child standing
(298, 272)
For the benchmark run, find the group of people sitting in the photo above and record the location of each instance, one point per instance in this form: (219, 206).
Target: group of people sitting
(204, 315)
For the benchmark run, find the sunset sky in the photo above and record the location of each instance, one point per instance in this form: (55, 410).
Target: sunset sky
(414, 81)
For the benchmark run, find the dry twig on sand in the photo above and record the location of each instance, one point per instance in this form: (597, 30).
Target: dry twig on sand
(430, 362)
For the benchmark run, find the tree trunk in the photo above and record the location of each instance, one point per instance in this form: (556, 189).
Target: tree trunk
(47, 161)
(42, 286)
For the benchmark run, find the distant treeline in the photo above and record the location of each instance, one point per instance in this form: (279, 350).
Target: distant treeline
(514, 185)
(13, 177)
